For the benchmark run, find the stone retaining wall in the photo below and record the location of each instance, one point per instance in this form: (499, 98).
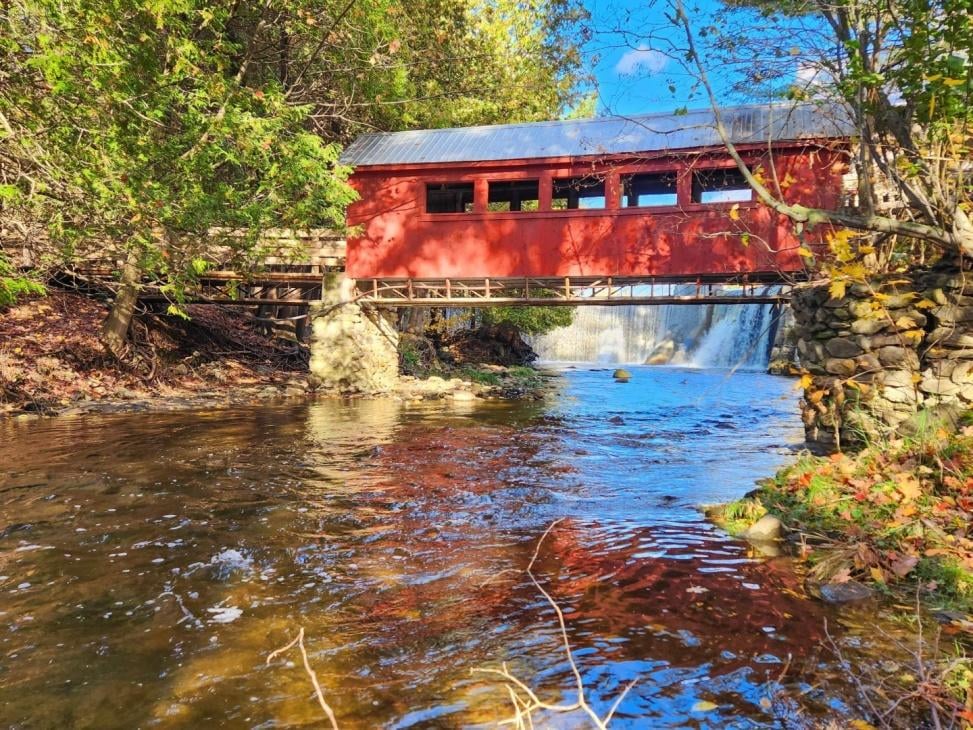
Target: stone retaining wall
(883, 352)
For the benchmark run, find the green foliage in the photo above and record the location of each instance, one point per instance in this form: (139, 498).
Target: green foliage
(531, 320)
(483, 377)
(902, 72)
(150, 126)
(736, 517)
(14, 286)
(410, 359)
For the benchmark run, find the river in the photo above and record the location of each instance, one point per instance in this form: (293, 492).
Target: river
(150, 563)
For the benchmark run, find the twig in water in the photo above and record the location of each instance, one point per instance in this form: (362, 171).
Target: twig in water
(524, 700)
(299, 640)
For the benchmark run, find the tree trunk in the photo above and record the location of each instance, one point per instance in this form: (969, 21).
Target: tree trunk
(114, 332)
(963, 231)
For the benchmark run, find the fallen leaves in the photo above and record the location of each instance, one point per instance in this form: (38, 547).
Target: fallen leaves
(887, 514)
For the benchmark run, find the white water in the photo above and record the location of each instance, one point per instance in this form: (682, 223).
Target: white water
(706, 335)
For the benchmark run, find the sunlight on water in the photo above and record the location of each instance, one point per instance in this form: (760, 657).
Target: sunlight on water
(150, 563)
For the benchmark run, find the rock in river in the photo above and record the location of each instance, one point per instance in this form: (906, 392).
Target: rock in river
(846, 592)
(766, 528)
(621, 374)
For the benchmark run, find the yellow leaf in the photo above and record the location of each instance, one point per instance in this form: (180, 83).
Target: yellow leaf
(805, 252)
(909, 487)
(704, 706)
(925, 304)
(861, 725)
(837, 289)
(735, 212)
(954, 82)
(804, 382)
(877, 575)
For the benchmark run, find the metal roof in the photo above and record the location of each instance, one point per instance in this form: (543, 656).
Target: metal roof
(601, 136)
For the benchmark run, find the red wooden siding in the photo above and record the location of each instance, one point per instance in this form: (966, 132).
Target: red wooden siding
(398, 239)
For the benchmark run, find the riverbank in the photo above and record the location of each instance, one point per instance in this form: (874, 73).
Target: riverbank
(52, 363)
(896, 517)
(892, 523)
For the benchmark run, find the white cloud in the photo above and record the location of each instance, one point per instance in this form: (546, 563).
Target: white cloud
(641, 60)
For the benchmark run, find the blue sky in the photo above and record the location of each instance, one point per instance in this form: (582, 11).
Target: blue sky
(633, 77)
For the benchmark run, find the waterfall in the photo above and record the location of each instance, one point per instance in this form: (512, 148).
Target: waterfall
(703, 335)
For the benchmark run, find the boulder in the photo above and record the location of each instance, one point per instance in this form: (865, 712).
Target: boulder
(905, 394)
(662, 353)
(950, 314)
(621, 374)
(951, 336)
(499, 344)
(848, 592)
(766, 528)
(898, 379)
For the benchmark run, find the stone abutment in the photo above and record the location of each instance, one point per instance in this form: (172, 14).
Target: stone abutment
(354, 347)
(889, 356)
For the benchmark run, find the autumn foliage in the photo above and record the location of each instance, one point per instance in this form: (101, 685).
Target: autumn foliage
(894, 512)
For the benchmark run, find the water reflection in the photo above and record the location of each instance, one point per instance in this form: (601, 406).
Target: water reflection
(150, 563)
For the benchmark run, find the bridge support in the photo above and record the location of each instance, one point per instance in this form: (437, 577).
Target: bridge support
(893, 356)
(354, 347)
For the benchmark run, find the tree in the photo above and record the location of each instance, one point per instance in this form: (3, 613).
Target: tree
(899, 72)
(530, 320)
(138, 129)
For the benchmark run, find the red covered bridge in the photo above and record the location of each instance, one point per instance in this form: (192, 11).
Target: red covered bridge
(584, 210)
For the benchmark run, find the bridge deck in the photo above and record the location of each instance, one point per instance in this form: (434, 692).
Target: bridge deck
(300, 289)
(571, 291)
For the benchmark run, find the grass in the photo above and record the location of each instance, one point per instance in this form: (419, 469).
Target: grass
(896, 514)
(476, 375)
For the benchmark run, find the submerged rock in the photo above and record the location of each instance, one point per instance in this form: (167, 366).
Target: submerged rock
(766, 528)
(621, 374)
(847, 592)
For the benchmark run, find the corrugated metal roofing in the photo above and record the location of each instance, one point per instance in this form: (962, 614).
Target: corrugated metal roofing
(602, 136)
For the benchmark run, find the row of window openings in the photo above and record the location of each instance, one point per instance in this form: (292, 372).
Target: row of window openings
(648, 190)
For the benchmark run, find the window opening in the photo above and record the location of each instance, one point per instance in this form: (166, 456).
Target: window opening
(515, 195)
(721, 186)
(649, 190)
(578, 192)
(449, 198)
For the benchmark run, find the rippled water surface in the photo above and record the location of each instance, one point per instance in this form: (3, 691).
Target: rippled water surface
(150, 563)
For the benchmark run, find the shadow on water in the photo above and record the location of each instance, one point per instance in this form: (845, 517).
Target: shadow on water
(148, 564)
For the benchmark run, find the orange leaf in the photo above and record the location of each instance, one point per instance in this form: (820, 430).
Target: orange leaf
(904, 565)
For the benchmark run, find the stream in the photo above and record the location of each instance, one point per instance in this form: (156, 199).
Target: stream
(149, 563)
